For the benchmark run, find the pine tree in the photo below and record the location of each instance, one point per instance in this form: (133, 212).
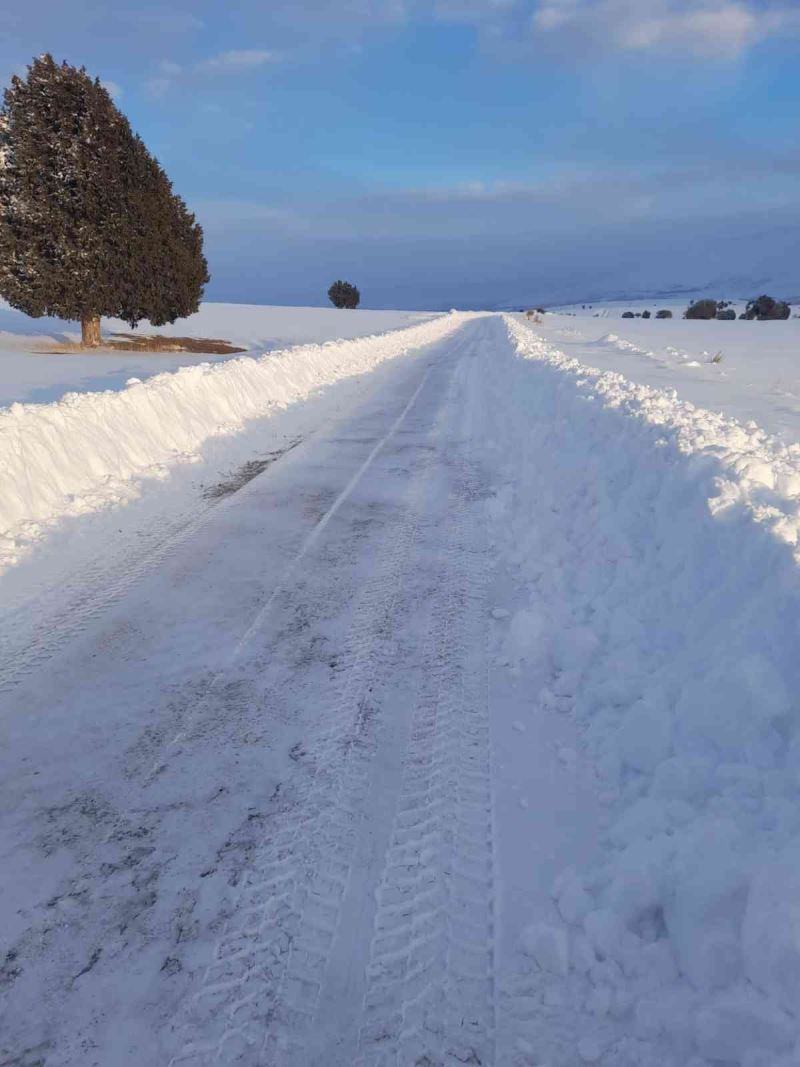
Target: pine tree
(344, 295)
(89, 224)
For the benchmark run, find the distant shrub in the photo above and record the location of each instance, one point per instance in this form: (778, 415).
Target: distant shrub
(540, 311)
(701, 309)
(344, 295)
(664, 313)
(645, 314)
(765, 307)
(726, 314)
(628, 315)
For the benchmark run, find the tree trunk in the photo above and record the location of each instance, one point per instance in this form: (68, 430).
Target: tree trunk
(90, 331)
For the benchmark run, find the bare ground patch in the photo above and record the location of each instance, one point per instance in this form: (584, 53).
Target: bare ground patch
(148, 342)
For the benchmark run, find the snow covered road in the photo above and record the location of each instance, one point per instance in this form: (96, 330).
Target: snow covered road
(464, 733)
(231, 757)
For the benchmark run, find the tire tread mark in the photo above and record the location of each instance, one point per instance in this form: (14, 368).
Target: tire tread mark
(259, 994)
(430, 996)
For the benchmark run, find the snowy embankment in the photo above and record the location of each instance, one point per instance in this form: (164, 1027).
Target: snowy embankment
(89, 450)
(748, 370)
(655, 547)
(31, 372)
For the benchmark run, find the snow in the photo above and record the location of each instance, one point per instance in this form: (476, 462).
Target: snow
(27, 375)
(88, 450)
(755, 380)
(465, 732)
(548, 945)
(670, 532)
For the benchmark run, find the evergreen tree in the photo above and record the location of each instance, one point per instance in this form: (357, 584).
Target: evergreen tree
(344, 295)
(89, 224)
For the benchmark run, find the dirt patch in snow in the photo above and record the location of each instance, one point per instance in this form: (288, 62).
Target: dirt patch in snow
(149, 342)
(246, 473)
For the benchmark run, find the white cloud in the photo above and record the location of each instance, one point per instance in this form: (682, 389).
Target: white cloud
(237, 59)
(712, 28)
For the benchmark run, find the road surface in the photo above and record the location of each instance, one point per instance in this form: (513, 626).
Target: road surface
(270, 800)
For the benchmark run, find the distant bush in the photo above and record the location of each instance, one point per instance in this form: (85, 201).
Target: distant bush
(645, 314)
(726, 314)
(701, 309)
(344, 295)
(628, 315)
(664, 313)
(764, 307)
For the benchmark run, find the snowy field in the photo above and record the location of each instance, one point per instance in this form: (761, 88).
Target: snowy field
(424, 698)
(30, 377)
(756, 377)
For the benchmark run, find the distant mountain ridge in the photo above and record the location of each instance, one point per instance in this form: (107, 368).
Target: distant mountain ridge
(736, 288)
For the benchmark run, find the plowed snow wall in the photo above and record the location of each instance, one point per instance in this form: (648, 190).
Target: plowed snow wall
(82, 453)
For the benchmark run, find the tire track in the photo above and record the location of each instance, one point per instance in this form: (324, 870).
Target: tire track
(430, 997)
(258, 996)
(24, 649)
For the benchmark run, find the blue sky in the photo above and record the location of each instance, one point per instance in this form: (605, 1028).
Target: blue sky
(457, 152)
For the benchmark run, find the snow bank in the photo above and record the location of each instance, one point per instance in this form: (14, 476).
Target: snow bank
(27, 376)
(656, 546)
(87, 451)
(746, 370)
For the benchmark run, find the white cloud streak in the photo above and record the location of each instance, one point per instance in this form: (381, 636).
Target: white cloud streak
(719, 29)
(237, 59)
(716, 29)
(234, 61)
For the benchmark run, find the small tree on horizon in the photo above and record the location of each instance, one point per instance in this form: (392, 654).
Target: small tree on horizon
(89, 224)
(344, 295)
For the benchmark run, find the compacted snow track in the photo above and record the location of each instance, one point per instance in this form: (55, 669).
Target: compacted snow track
(393, 799)
(364, 850)
(461, 734)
